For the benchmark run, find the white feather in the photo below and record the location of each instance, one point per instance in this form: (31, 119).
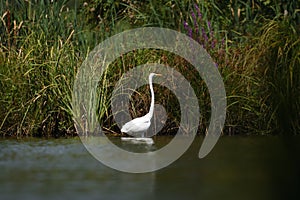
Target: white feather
(140, 125)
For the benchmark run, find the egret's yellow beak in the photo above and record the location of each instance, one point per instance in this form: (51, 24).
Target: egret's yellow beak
(158, 74)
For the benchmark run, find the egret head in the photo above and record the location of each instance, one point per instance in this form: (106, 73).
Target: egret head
(154, 74)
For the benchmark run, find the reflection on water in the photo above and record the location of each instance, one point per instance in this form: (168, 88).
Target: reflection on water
(237, 168)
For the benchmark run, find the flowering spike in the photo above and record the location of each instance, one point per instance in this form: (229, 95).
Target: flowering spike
(204, 35)
(213, 44)
(223, 42)
(188, 29)
(195, 22)
(198, 11)
(209, 25)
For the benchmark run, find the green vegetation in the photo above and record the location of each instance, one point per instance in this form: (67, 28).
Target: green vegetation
(255, 45)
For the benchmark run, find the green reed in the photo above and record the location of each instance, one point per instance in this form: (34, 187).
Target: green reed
(38, 63)
(43, 43)
(279, 61)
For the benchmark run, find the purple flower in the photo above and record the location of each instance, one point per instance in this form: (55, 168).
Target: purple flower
(209, 25)
(190, 32)
(223, 42)
(198, 11)
(185, 25)
(194, 17)
(204, 35)
(188, 29)
(195, 22)
(211, 32)
(213, 44)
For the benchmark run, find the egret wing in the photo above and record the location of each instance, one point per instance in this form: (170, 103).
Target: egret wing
(136, 125)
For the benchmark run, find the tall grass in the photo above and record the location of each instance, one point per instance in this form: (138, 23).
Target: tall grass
(279, 64)
(38, 63)
(261, 74)
(43, 43)
(119, 15)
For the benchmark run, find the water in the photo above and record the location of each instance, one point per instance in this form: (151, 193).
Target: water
(238, 168)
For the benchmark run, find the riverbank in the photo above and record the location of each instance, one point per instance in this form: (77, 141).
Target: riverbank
(255, 48)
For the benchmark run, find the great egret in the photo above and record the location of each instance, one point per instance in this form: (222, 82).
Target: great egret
(140, 125)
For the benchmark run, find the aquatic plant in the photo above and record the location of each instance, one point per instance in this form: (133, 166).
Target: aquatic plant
(42, 44)
(38, 62)
(278, 62)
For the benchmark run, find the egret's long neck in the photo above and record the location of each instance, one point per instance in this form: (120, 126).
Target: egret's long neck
(152, 97)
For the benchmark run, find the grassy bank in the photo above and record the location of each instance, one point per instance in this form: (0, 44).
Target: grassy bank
(255, 45)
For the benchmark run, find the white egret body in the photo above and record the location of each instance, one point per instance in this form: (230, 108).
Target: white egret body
(140, 125)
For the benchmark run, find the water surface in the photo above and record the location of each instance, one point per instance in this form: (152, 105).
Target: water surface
(256, 167)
